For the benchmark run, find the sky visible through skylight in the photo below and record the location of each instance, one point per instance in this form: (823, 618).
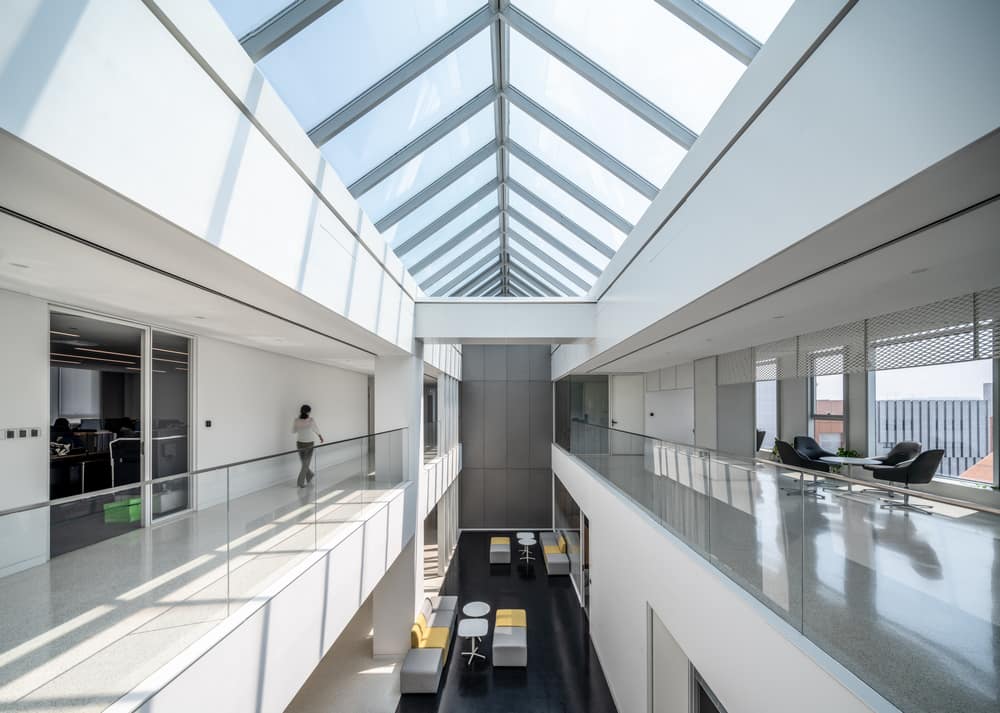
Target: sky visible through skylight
(598, 103)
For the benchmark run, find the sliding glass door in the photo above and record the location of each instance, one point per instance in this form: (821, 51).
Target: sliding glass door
(170, 433)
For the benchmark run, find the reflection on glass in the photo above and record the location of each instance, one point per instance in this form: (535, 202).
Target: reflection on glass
(577, 167)
(412, 110)
(679, 69)
(430, 165)
(947, 406)
(353, 46)
(590, 111)
(171, 426)
(567, 527)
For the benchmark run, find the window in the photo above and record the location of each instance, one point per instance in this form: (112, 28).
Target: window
(766, 403)
(826, 402)
(946, 406)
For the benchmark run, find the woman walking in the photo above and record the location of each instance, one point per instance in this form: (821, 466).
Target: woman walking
(304, 427)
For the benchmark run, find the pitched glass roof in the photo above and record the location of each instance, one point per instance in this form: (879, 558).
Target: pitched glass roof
(505, 148)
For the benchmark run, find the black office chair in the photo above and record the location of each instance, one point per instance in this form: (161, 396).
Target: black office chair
(790, 456)
(812, 451)
(918, 471)
(902, 451)
(126, 460)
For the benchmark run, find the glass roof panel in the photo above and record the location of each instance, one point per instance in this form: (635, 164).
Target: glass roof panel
(557, 231)
(244, 15)
(461, 248)
(543, 245)
(565, 203)
(430, 165)
(412, 110)
(679, 69)
(758, 18)
(543, 273)
(466, 264)
(580, 169)
(353, 46)
(590, 111)
(467, 218)
(441, 203)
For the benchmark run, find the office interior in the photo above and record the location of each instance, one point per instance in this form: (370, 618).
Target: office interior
(651, 354)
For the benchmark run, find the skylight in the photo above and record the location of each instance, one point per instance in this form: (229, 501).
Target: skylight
(505, 148)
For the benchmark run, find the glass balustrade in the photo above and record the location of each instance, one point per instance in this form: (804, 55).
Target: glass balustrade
(908, 602)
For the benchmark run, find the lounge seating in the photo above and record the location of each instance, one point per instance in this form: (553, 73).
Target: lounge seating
(430, 640)
(918, 471)
(510, 638)
(499, 550)
(790, 456)
(812, 451)
(554, 553)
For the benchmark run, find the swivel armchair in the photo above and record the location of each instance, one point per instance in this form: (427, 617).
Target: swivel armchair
(902, 451)
(812, 451)
(790, 455)
(917, 471)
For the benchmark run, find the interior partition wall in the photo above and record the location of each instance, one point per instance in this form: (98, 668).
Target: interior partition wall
(506, 433)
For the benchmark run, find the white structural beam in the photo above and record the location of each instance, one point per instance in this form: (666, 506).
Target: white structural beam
(556, 215)
(554, 242)
(715, 27)
(422, 142)
(442, 220)
(610, 85)
(452, 175)
(515, 149)
(544, 257)
(280, 28)
(580, 142)
(401, 76)
(459, 260)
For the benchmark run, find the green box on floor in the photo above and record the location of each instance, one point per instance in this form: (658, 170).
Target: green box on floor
(123, 511)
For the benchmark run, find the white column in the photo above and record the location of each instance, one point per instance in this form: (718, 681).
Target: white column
(398, 404)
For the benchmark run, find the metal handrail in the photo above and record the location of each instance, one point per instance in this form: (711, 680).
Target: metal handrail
(720, 455)
(177, 476)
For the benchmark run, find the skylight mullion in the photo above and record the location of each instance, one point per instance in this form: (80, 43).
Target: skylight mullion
(283, 26)
(542, 274)
(580, 142)
(610, 85)
(569, 186)
(452, 175)
(515, 291)
(422, 142)
(459, 260)
(577, 230)
(443, 220)
(557, 266)
(476, 279)
(528, 278)
(402, 75)
(530, 290)
(483, 284)
(715, 27)
(488, 288)
(554, 242)
(464, 275)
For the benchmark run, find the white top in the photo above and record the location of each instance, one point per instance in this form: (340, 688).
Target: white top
(526, 541)
(846, 460)
(476, 609)
(304, 428)
(521, 535)
(473, 627)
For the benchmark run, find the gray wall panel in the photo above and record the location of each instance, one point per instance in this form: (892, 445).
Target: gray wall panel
(495, 363)
(518, 424)
(471, 495)
(541, 366)
(540, 417)
(519, 503)
(472, 433)
(519, 363)
(495, 497)
(736, 419)
(472, 362)
(494, 424)
(540, 497)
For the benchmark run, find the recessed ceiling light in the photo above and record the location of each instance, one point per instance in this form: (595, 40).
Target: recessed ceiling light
(20, 265)
(198, 316)
(919, 270)
(778, 316)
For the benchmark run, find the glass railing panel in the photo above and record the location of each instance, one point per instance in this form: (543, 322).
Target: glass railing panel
(272, 524)
(342, 471)
(907, 601)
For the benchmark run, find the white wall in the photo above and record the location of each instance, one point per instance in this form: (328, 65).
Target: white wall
(669, 412)
(752, 660)
(705, 425)
(24, 402)
(671, 675)
(251, 397)
(149, 122)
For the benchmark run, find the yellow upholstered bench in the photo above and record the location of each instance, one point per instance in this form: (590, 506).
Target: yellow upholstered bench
(499, 550)
(510, 638)
(430, 638)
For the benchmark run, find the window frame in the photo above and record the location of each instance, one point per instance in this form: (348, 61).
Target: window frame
(844, 418)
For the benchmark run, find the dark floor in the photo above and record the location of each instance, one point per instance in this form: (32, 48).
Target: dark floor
(563, 674)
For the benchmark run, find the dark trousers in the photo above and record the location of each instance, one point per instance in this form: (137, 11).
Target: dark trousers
(305, 455)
